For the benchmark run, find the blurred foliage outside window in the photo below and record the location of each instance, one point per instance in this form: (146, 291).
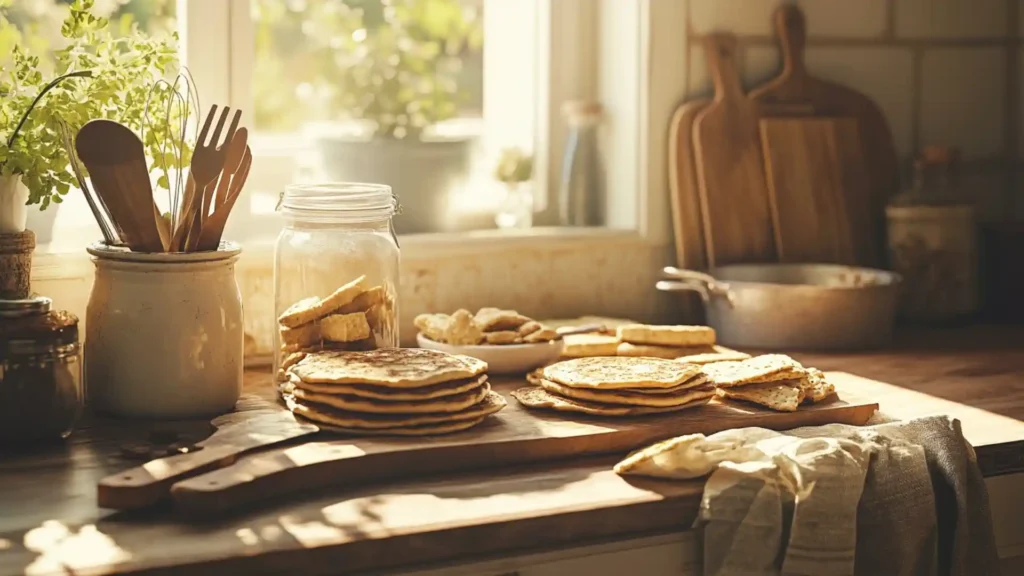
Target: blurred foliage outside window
(37, 24)
(401, 65)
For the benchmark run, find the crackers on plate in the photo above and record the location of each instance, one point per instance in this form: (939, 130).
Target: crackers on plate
(488, 326)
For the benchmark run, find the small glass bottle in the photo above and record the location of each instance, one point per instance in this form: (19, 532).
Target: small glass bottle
(580, 193)
(334, 234)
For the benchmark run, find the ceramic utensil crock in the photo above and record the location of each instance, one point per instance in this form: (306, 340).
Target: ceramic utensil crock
(164, 333)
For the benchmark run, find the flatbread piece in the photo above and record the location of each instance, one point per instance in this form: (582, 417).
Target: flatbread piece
(652, 351)
(765, 368)
(781, 397)
(397, 394)
(609, 372)
(624, 398)
(442, 405)
(585, 345)
(388, 367)
(490, 404)
(533, 397)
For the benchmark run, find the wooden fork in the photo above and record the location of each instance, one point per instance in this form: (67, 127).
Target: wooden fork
(207, 163)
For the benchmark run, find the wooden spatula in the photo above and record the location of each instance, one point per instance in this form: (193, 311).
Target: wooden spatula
(812, 166)
(730, 171)
(116, 161)
(237, 434)
(795, 88)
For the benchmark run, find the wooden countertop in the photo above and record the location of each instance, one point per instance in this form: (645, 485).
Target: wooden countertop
(49, 522)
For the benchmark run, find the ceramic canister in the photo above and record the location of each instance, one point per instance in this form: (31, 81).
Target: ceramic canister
(164, 333)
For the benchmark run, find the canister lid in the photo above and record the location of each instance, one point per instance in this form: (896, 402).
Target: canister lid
(31, 306)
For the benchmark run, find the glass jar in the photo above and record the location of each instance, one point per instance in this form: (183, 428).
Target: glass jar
(335, 234)
(40, 371)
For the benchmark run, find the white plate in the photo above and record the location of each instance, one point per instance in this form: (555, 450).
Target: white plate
(505, 358)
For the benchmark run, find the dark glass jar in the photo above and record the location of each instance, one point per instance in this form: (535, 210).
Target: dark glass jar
(40, 372)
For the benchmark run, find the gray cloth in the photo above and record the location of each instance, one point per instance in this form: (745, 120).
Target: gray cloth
(900, 498)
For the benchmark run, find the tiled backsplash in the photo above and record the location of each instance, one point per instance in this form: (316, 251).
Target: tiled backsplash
(943, 71)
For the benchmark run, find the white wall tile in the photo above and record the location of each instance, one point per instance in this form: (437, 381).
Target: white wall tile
(963, 93)
(884, 74)
(951, 18)
(845, 18)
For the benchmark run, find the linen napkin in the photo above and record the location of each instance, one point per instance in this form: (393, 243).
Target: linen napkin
(902, 498)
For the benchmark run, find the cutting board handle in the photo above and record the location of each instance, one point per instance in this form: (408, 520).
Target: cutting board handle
(791, 27)
(721, 51)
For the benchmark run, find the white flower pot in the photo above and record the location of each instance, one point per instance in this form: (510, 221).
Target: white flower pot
(13, 200)
(164, 334)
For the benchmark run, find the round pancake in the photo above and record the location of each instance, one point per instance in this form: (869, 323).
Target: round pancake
(321, 414)
(446, 404)
(611, 372)
(421, 430)
(533, 397)
(388, 367)
(695, 382)
(623, 398)
(396, 394)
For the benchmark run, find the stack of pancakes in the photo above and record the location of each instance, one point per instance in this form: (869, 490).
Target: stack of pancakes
(617, 386)
(391, 391)
(775, 381)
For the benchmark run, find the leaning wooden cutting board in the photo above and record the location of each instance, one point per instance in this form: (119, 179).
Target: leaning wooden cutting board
(513, 436)
(816, 181)
(795, 88)
(730, 172)
(684, 196)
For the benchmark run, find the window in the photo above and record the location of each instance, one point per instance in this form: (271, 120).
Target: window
(469, 77)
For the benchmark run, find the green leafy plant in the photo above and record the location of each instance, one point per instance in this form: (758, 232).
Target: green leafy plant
(395, 63)
(514, 166)
(120, 71)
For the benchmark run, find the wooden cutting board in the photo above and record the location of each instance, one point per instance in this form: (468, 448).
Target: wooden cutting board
(684, 195)
(513, 436)
(730, 172)
(795, 88)
(816, 179)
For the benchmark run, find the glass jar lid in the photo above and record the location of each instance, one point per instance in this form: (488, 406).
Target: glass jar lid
(339, 201)
(31, 306)
(30, 326)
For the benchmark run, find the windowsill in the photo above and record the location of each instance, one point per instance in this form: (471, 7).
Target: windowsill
(415, 247)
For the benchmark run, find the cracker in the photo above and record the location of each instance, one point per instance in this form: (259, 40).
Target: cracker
(779, 396)
(652, 351)
(533, 397)
(666, 335)
(364, 301)
(816, 387)
(628, 398)
(620, 372)
(584, 345)
(292, 359)
(304, 335)
(501, 337)
(345, 327)
(495, 319)
(542, 335)
(299, 314)
(529, 328)
(462, 329)
(432, 326)
(765, 368)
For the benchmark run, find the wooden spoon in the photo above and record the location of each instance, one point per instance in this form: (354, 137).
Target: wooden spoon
(232, 161)
(213, 228)
(116, 161)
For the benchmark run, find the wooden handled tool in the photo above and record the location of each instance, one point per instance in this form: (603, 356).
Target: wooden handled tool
(796, 87)
(237, 433)
(730, 172)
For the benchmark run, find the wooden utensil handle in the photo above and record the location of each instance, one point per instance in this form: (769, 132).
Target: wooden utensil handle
(721, 52)
(792, 30)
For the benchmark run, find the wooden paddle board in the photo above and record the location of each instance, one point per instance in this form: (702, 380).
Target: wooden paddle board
(816, 181)
(513, 436)
(730, 171)
(684, 195)
(797, 90)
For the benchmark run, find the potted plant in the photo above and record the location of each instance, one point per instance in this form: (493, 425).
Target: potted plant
(386, 76)
(515, 172)
(95, 75)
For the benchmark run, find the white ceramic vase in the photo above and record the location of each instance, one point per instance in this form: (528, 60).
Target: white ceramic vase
(164, 334)
(13, 209)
